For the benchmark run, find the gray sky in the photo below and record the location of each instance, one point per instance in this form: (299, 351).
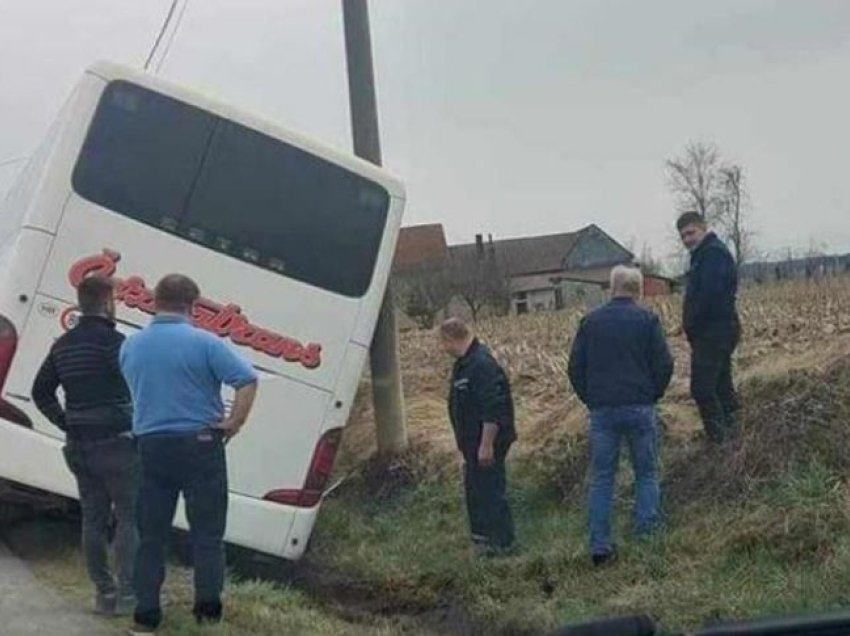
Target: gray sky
(507, 117)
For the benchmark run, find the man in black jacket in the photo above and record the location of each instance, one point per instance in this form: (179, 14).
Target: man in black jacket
(620, 367)
(711, 325)
(481, 411)
(99, 450)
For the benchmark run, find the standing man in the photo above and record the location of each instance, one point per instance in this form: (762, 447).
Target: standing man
(99, 448)
(481, 411)
(175, 372)
(620, 367)
(711, 325)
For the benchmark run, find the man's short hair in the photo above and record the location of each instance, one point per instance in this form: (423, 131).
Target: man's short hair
(93, 295)
(176, 293)
(690, 218)
(455, 329)
(627, 279)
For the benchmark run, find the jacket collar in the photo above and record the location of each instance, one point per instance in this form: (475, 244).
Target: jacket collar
(97, 320)
(470, 352)
(709, 239)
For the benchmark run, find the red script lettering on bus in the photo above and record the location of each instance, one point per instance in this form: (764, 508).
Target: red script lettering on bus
(226, 321)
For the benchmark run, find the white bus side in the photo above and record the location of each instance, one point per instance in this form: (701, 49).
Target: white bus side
(291, 244)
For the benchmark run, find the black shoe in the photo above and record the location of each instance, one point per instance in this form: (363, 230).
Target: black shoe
(604, 558)
(147, 620)
(208, 613)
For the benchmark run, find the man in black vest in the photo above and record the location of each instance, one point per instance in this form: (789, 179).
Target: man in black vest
(712, 326)
(481, 411)
(100, 451)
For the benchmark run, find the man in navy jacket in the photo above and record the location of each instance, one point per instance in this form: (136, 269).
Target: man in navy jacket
(711, 323)
(481, 410)
(620, 367)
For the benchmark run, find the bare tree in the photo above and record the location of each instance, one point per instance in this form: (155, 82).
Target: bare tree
(701, 182)
(424, 292)
(648, 263)
(481, 280)
(814, 259)
(694, 179)
(732, 215)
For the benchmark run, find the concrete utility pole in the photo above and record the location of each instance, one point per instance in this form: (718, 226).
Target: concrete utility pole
(387, 393)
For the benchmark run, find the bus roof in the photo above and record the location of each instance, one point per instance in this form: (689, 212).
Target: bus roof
(110, 71)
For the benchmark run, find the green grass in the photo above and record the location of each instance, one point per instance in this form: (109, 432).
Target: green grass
(382, 566)
(786, 549)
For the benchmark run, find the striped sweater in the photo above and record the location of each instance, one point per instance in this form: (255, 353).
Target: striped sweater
(84, 362)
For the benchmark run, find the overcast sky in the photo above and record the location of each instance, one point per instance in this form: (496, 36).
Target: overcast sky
(508, 117)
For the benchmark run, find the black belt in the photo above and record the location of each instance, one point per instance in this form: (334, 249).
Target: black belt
(94, 441)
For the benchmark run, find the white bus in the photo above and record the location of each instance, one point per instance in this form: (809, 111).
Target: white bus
(290, 242)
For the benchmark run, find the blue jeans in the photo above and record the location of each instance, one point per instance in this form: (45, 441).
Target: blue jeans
(192, 464)
(107, 473)
(608, 426)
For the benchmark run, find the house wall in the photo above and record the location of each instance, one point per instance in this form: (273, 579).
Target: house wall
(533, 301)
(582, 294)
(655, 286)
(596, 249)
(573, 294)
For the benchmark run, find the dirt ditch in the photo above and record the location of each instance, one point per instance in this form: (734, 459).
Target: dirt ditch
(51, 535)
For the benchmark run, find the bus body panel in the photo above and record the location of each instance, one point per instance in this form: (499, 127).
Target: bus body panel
(40, 330)
(299, 399)
(33, 459)
(22, 267)
(46, 206)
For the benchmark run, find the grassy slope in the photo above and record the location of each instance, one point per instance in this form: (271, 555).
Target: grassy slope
(759, 528)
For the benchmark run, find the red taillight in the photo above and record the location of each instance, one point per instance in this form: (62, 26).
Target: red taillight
(317, 477)
(8, 346)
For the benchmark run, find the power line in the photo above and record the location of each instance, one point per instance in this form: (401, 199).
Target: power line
(161, 33)
(173, 35)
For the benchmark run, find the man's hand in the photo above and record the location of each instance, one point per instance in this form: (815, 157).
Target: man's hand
(485, 454)
(229, 427)
(242, 404)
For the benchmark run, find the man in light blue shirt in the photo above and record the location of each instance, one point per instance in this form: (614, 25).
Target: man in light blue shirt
(175, 373)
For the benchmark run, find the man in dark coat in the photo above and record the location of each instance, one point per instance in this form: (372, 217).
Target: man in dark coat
(711, 325)
(96, 416)
(481, 411)
(620, 367)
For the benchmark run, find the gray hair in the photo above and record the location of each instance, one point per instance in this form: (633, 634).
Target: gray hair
(626, 281)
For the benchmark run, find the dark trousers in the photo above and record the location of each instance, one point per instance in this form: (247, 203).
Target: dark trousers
(711, 383)
(107, 473)
(192, 464)
(490, 519)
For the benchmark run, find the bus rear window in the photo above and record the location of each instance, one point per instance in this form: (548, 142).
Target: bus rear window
(231, 189)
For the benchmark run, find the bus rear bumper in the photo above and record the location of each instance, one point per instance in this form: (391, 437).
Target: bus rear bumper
(34, 459)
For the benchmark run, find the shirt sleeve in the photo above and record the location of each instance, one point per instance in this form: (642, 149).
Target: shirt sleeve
(44, 393)
(488, 389)
(577, 368)
(661, 361)
(114, 352)
(229, 367)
